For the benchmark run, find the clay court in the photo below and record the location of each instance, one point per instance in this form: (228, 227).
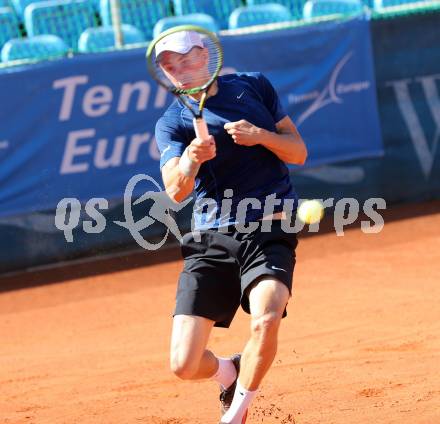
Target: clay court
(361, 343)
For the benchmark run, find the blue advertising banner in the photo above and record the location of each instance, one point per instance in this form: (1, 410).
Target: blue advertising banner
(76, 128)
(82, 127)
(325, 77)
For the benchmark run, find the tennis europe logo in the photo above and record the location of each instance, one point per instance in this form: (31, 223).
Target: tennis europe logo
(332, 93)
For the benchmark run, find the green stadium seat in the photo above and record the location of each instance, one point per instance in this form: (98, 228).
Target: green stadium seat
(218, 9)
(258, 15)
(143, 14)
(200, 19)
(8, 25)
(317, 8)
(65, 18)
(102, 39)
(40, 47)
(295, 6)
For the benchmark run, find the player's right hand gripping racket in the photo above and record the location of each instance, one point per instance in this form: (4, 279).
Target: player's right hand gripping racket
(186, 60)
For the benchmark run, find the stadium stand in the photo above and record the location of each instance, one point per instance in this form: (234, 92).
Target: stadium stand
(200, 19)
(218, 9)
(101, 39)
(40, 47)
(316, 8)
(295, 6)
(20, 6)
(380, 4)
(8, 25)
(65, 18)
(258, 15)
(139, 13)
(4, 3)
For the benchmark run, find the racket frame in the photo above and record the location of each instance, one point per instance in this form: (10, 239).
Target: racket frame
(200, 127)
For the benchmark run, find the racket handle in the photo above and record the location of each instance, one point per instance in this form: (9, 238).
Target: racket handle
(201, 128)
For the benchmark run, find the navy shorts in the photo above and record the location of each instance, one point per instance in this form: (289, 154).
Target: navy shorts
(219, 267)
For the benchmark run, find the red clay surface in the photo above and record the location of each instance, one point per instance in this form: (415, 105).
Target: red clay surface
(361, 343)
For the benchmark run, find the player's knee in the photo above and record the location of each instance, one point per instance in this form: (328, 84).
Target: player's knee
(183, 372)
(266, 325)
(183, 368)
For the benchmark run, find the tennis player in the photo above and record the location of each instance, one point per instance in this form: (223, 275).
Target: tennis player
(240, 167)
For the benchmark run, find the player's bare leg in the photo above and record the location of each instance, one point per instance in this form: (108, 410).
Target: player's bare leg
(268, 298)
(190, 360)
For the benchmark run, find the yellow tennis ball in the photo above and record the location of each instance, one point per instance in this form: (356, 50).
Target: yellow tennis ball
(311, 211)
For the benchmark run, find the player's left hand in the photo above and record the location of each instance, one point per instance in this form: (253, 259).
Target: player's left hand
(243, 132)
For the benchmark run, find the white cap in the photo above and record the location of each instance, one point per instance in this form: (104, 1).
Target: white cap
(180, 42)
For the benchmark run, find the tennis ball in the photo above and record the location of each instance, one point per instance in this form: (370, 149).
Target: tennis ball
(311, 211)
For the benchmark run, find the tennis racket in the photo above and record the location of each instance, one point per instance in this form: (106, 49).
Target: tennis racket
(186, 60)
